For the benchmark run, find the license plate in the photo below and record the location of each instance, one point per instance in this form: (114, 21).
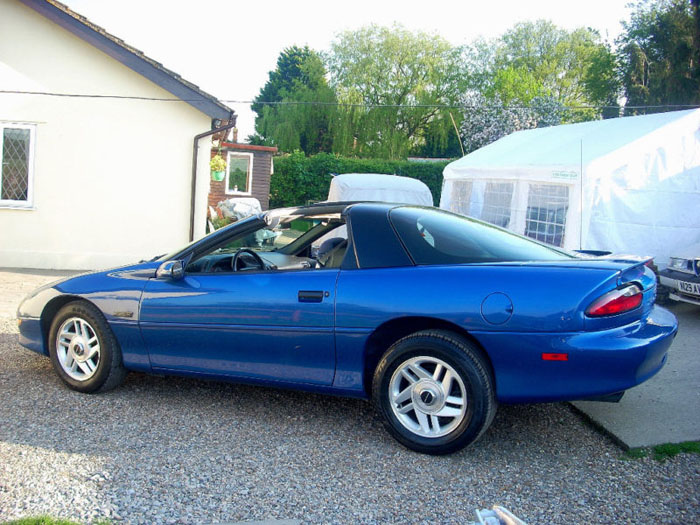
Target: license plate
(689, 288)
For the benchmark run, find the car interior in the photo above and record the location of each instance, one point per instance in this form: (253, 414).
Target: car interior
(292, 243)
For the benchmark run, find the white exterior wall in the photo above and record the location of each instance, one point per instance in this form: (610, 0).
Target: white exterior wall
(112, 178)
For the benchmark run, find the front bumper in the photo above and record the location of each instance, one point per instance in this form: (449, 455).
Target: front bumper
(682, 286)
(598, 363)
(30, 334)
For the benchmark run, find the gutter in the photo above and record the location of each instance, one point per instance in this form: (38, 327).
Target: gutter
(195, 151)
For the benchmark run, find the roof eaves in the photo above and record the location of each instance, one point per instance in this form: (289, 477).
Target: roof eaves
(130, 57)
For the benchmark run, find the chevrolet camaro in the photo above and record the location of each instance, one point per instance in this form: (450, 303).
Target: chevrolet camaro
(433, 316)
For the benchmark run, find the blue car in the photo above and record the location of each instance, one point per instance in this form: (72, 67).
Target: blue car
(433, 316)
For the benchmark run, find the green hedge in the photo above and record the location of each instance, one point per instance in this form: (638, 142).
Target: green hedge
(298, 179)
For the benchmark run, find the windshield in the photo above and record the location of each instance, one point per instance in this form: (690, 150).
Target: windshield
(210, 236)
(270, 239)
(438, 237)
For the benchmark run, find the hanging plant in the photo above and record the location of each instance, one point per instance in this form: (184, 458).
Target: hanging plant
(218, 167)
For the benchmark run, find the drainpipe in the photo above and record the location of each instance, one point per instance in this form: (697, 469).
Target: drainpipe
(195, 151)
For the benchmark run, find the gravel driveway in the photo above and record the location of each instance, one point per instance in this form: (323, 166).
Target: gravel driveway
(170, 450)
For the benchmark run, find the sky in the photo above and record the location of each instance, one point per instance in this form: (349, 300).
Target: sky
(228, 48)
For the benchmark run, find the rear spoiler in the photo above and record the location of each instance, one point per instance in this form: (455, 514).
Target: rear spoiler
(626, 258)
(618, 257)
(635, 272)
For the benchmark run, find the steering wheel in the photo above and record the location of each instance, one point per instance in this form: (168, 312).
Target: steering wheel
(246, 256)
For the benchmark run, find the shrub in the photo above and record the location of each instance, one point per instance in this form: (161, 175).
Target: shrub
(299, 179)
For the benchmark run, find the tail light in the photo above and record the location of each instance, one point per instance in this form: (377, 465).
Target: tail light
(616, 302)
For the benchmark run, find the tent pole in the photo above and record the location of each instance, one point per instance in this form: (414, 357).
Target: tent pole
(459, 139)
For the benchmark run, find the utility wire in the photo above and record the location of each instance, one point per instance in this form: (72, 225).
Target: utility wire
(319, 103)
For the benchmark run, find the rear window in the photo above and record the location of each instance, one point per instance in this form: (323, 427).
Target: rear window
(439, 237)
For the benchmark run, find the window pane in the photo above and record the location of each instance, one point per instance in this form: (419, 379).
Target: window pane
(238, 168)
(461, 196)
(497, 199)
(547, 205)
(436, 237)
(15, 164)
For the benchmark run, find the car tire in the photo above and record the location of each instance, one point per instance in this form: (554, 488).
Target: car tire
(434, 391)
(83, 349)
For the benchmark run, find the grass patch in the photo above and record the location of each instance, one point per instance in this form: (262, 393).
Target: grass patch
(669, 450)
(636, 453)
(40, 520)
(665, 451)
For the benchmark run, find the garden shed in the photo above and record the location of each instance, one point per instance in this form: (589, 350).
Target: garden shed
(247, 173)
(627, 185)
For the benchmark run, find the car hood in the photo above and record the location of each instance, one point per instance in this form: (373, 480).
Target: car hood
(87, 285)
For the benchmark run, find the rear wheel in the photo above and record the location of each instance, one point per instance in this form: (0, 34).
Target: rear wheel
(83, 349)
(434, 391)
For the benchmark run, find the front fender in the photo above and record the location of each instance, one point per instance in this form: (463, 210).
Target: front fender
(116, 293)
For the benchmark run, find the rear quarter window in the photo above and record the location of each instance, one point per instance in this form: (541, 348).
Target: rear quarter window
(438, 237)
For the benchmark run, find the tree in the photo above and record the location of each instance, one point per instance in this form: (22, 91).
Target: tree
(557, 58)
(539, 59)
(388, 77)
(658, 53)
(602, 81)
(488, 119)
(295, 108)
(515, 84)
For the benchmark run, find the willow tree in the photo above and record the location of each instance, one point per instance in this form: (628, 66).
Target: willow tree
(389, 82)
(296, 106)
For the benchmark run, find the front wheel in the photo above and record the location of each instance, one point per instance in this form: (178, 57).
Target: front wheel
(83, 349)
(434, 391)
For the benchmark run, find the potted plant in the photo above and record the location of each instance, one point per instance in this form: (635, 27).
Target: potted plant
(218, 168)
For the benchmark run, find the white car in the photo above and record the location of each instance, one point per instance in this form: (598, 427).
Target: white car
(681, 280)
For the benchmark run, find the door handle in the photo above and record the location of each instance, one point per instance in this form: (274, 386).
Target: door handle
(310, 296)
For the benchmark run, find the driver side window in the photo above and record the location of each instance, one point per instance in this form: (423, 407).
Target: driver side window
(291, 244)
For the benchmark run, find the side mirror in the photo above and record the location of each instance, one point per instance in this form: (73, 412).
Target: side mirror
(171, 270)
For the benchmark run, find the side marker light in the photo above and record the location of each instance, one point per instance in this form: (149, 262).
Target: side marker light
(555, 357)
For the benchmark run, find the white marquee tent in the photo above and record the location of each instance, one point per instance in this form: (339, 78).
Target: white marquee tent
(627, 185)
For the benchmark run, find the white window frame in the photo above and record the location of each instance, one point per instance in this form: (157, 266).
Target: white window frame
(29, 203)
(249, 180)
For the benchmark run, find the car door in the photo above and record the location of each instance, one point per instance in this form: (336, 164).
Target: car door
(266, 325)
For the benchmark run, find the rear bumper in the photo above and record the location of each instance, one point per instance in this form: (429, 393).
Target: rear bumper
(599, 363)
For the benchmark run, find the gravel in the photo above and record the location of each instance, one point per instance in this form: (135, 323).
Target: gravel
(174, 450)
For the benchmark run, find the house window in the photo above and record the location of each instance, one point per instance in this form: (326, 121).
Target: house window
(16, 173)
(497, 203)
(461, 196)
(239, 173)
(547, 205)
